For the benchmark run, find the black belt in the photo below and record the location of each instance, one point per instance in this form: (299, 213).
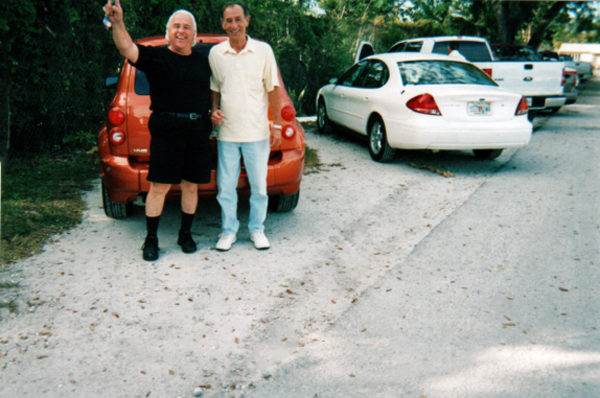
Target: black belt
(191, 116)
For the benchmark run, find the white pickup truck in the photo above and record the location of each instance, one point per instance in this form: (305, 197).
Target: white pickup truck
(541, 82)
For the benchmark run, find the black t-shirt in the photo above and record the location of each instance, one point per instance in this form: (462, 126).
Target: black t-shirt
(178, 83)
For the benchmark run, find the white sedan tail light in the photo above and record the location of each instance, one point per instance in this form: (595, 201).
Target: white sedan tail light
(523, 108)
(424, 103)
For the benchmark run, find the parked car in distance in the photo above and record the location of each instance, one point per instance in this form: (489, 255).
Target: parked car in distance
(571, 83)
(124, 145)
(571, 91)
(423, 101)
(584, 69)
(512, 52)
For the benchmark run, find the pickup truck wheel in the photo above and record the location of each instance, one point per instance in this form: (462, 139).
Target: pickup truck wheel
(487, 154)
(283, 203)
(113, 209)
(323, 123)
(379, 148)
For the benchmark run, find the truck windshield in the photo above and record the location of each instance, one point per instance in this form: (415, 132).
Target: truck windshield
(474, 51)
(442, 72)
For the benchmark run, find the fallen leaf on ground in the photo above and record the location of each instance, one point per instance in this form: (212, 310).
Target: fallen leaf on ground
(446, 174)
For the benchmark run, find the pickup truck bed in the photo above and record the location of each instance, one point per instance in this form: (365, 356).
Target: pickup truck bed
(541, 82)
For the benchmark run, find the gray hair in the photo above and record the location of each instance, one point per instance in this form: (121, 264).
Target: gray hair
(194, 26)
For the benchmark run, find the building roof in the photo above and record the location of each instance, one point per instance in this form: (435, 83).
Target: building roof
(579, 48)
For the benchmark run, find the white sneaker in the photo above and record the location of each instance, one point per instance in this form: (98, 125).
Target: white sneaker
(260, 240)
(225, 241)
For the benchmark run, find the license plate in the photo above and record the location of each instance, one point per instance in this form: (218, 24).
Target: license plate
(479, 108)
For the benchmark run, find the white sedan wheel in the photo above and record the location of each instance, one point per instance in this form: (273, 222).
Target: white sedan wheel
(379, 148)
(323, 123)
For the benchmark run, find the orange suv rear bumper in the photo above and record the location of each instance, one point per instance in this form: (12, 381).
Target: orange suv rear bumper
(124, 177)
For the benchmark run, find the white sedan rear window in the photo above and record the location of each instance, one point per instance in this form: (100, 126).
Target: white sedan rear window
(442, 72)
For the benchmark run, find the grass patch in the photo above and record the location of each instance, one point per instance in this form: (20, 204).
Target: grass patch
(311, 156)
(42, 197)
(311, 161)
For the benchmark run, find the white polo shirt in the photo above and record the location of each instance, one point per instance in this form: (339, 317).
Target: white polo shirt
(243, 80)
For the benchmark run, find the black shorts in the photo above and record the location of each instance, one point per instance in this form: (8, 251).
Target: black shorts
(180, 149)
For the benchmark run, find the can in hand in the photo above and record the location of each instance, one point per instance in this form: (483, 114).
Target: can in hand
(107, 22)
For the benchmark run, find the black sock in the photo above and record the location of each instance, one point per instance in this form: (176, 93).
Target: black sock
(186, 221)
(152, 225)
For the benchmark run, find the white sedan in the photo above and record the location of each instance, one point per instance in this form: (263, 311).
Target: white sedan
(424, 101)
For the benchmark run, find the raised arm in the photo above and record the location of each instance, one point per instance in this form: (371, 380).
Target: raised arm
(120, 35)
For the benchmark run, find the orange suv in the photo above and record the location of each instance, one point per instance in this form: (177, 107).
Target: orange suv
(124, 146)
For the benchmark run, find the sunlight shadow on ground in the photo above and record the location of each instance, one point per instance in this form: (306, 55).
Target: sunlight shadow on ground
(499, 370)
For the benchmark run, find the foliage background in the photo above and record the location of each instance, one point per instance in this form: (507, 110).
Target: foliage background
(56, 54)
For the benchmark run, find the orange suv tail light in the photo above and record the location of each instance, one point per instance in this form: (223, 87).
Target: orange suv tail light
(289, 132)
(288, 113)
(116, 137)
(116, 116)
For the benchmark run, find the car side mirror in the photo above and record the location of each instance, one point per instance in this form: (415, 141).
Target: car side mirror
(111, 81)
(333, 80)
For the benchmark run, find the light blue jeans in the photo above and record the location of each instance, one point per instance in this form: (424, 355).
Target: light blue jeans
(256, 157)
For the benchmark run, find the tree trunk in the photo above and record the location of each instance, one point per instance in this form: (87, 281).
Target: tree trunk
(537, 36)
(501, 9)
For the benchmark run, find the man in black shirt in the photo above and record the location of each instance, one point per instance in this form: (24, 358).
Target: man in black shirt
(180, 151)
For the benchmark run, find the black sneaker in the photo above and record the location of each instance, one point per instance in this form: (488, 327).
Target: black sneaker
(186, 242)
(150, 248)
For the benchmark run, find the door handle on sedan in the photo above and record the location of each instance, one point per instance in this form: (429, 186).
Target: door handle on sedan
(367, 99)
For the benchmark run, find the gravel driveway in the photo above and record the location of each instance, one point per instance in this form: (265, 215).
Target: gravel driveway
(98, 321)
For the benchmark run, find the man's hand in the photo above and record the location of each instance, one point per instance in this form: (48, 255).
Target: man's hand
(114, 11)
(216, 117)
(275, 140)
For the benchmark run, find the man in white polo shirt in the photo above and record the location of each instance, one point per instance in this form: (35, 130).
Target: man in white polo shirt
(244, 81)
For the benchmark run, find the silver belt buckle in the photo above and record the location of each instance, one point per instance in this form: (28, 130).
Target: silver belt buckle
(194, 116)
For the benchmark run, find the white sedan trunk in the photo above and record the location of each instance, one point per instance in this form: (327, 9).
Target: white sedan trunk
(473, 104)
